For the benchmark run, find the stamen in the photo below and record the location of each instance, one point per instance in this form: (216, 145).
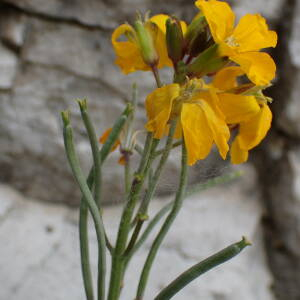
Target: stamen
(231, 41)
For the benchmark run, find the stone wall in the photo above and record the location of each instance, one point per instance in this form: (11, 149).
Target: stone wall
(52, 52)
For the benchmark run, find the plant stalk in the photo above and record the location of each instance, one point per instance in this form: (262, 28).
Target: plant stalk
(165, 227)
(197, 270)
(88, 197)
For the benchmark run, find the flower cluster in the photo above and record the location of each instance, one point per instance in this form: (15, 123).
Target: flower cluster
(219, 76)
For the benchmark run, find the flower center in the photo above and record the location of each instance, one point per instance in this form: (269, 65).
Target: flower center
(231, 41)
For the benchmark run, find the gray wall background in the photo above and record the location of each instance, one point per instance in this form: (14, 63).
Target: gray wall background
(52, 52)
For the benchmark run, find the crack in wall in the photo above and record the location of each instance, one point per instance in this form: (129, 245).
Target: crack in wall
(111, 88)
(43, 16)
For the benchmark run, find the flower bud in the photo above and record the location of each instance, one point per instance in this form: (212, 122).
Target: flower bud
(175, 40)
(207, 62)
(146, 43)
(197, 37)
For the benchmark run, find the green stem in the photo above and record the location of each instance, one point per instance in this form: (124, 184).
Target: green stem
(195, 271)
(152, 186)
(117, 270)
(83, 216)
(127, 174)
(95, 150)
(148, 230)
(115, 132)
(175, 145)
(138, 149)
(156, 76)
(165, 227)
(196, 188)
(87, 195)
(191, 190)
(84, 251)
(84, 243)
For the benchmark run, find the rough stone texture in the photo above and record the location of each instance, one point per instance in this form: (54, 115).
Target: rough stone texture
(55, 51)
(40, 260)
(105, 14)
(59, 62)
(278, 162)
(8, 65)
(12, 27)
(289, 116)
(37, 99)
(269, 8)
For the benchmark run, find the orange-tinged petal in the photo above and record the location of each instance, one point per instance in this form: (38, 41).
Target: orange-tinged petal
(158, 107)
(226, 78)
(122, 160)
(104, 138)
(219, 16)
(252, 34)
(197, 134)
(251, 133)
(238, 155)
(259, 67)
(238, 108)
(128, 54)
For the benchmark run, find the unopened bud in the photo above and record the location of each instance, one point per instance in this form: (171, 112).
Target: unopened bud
(175, 40)
(146, 43)
(207, 62)
(197, 37)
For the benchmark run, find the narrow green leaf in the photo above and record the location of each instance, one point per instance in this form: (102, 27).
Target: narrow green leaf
(195, 271)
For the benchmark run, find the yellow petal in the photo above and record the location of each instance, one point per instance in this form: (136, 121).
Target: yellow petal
(226, 78)
(128, 54)
(160, 39)
(219, 16)
(197, 134)
(160, 20)
(158, 107)
(161, 48)
(252, 34)
(259, 67)
(219, 129)
(251, 133)
(238, 155)
(209, 102)
(238, 108)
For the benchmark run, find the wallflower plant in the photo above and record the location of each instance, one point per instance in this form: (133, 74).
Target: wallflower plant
(214, 98)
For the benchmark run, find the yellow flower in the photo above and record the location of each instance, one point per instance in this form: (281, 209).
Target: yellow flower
(250, 112)
(251, 133)
(242, 43)
(199, 118)
(129, 54)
